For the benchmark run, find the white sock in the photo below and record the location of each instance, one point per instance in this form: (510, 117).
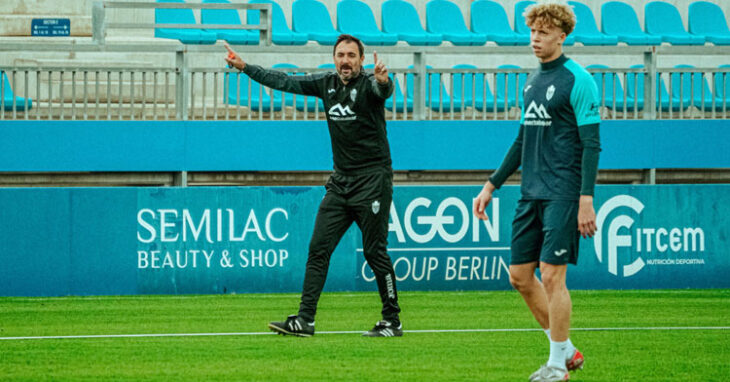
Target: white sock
(547, 333)
(570, 350)
(558, 354)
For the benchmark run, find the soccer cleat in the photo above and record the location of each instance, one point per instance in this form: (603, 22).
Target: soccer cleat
(575, 362)
(384, 329)
(549, 374)
(293, 326)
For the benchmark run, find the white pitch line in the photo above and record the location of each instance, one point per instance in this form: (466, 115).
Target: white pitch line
(497, 330)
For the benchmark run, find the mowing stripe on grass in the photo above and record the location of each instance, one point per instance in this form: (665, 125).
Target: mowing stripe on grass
(646, 328)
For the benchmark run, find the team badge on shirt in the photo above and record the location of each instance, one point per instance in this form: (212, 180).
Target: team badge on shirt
(550, 92)
(353, 95)
(376, 207)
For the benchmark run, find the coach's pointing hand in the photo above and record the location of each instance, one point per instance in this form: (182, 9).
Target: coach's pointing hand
(381, 72)
(233, 59)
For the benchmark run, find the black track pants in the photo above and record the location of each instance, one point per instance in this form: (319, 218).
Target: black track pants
(364, 199)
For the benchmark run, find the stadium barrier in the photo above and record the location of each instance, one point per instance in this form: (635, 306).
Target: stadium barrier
(120, 241)
(194, 146)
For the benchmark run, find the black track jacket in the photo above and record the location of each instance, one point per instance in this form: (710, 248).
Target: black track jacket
(355, 114)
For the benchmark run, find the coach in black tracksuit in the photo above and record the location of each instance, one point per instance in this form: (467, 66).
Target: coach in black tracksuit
(361, 187)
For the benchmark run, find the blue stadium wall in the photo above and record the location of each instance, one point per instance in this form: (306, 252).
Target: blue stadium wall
(94, 241)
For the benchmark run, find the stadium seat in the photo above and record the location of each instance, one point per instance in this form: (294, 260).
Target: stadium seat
(227, 16)
(239, 95)
(280, 32)
(620, 20)
(490, 19)
(635, 88)
(663, 19)
(437, 98)
(586, 31)
(692, 89)
(313, 18)
(328, 65)
(356, 18)
(475, 90)
(289, 98)
(708, 20)
(398, 92)
(610, 89)
(8, 96)
(401, 18)
(181, 16)
(515, 83)
(444, 17)
(521, 25)
(722, 87)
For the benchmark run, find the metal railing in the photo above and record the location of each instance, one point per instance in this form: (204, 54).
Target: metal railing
(119, 93)
(99, 24)
(676, 93)
(90, 93)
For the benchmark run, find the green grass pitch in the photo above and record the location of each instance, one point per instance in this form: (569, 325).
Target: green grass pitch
(627, 352)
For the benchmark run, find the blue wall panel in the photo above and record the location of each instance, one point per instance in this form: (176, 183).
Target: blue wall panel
(92, 241)
(305, 145)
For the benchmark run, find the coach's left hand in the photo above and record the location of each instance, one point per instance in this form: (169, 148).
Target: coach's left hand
(381, 72)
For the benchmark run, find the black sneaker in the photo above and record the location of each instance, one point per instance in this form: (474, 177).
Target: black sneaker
(385, 329)
(294, 326)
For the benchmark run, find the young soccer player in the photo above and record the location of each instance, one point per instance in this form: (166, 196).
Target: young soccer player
(361, 188)
(558, 146)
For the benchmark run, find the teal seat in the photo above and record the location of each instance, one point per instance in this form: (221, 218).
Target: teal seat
(9, 96)
(181, 16)
(239, 95)
(695, 90)
(663, 19)
(586, 31)
(356, 18)
(722, 87)
(445, 18)
(228, 17)
(401, 18)
(313, 18)
(475, 90)
(490, 19)
(280, 32)
(437, 97)
(708, 20)
(619, 19)
(610, 90)
(514, 84)
(636, 81)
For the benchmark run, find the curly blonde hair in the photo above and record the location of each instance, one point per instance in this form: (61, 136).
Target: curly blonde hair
(551, 12)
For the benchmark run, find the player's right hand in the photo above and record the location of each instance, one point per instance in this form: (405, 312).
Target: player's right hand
(482, 201)
(233, 59)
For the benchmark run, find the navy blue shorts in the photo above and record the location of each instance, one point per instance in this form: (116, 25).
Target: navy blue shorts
(546, 231)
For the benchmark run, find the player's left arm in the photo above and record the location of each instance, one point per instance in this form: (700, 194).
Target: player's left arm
(584, 99)
(382, 85)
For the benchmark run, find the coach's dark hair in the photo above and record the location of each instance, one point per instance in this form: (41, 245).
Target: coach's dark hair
(349, 38)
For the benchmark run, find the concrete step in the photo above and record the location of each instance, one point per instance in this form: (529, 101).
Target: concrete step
(58, 8)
